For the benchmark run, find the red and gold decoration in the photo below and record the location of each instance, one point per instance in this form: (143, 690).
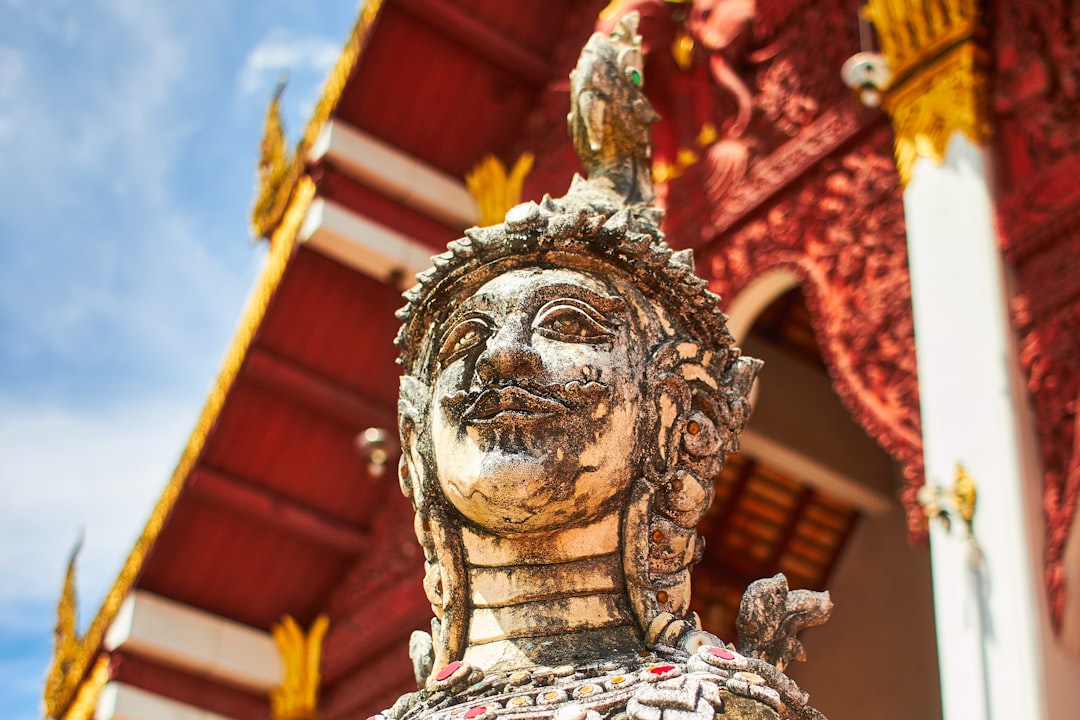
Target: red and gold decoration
(940, 85)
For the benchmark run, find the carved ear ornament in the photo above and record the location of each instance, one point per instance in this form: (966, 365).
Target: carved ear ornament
(701, 404)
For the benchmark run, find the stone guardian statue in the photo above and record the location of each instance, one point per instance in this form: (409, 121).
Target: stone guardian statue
(569, 395)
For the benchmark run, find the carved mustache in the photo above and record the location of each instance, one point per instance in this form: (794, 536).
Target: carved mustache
(524, 396)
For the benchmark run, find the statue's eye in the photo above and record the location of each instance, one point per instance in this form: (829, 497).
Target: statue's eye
(573, 321)
(464, 336)
(632, 63)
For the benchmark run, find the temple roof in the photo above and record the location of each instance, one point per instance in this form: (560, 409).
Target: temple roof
(271, 509)
(271, 506)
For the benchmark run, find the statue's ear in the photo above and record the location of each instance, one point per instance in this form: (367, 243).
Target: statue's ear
(740, 375)
(701, 400)
(413, 400)
(682, 382)
(738, 379)
(671, 398)
(410, 473)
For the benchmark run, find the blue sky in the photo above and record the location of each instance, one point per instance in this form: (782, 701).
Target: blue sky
(129, 134)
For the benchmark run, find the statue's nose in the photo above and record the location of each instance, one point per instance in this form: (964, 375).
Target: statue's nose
(509, 354)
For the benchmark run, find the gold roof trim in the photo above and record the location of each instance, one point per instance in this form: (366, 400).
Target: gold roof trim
(86, 701)
(275, 188)
(281, 249)
(275, 163)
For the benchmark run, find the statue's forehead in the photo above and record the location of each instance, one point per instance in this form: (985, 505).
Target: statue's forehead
(531, 280)
(526, 288)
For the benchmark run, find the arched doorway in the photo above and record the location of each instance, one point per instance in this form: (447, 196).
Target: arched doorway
(812, 496)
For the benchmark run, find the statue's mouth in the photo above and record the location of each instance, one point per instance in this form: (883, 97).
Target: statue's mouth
(523, 401)
(511, 402)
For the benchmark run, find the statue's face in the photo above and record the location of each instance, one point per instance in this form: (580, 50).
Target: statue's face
(537, 397)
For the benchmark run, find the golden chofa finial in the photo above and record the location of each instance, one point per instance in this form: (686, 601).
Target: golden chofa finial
(274, 164)
(67, 643)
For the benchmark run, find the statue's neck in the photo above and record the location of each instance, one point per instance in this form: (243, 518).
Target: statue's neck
(535, 597)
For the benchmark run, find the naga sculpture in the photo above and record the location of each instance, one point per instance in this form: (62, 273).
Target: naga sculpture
(570, 392)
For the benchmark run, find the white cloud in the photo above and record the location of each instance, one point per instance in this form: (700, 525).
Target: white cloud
(12, 68)
(98, 258)
(64, 472)
(100, 109)
(280, 54)
(98, 249)
(128, 120)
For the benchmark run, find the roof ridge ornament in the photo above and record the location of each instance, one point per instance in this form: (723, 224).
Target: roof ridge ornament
(67, 642)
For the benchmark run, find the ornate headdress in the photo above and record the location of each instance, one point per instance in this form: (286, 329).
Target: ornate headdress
(697, 381)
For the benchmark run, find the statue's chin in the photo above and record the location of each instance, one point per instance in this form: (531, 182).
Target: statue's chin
(515, 493)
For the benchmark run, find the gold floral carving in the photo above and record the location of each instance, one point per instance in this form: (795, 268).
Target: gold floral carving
(496, 190)
(297, 697)
(966, 496)
(282, 244)
(67, 643)
(269, 210)
(682, 50)
(960, 500)
(927, 110)
(939, 81)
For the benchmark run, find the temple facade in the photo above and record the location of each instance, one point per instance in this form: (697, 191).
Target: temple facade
(883, 195)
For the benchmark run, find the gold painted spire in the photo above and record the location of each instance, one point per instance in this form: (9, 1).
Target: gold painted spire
(274, 164)
(494, 189)
(297, 697)
(939, 81)
(66, 641)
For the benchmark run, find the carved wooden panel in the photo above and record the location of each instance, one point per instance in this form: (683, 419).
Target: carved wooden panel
(1037, 108)
(840, 228)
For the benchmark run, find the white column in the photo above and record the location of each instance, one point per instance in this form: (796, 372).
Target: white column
(972, 397)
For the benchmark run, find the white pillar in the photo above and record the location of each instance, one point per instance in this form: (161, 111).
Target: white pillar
(972, 397)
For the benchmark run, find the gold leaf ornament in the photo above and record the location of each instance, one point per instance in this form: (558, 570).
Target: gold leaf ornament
(496, 190)
(297, 697)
